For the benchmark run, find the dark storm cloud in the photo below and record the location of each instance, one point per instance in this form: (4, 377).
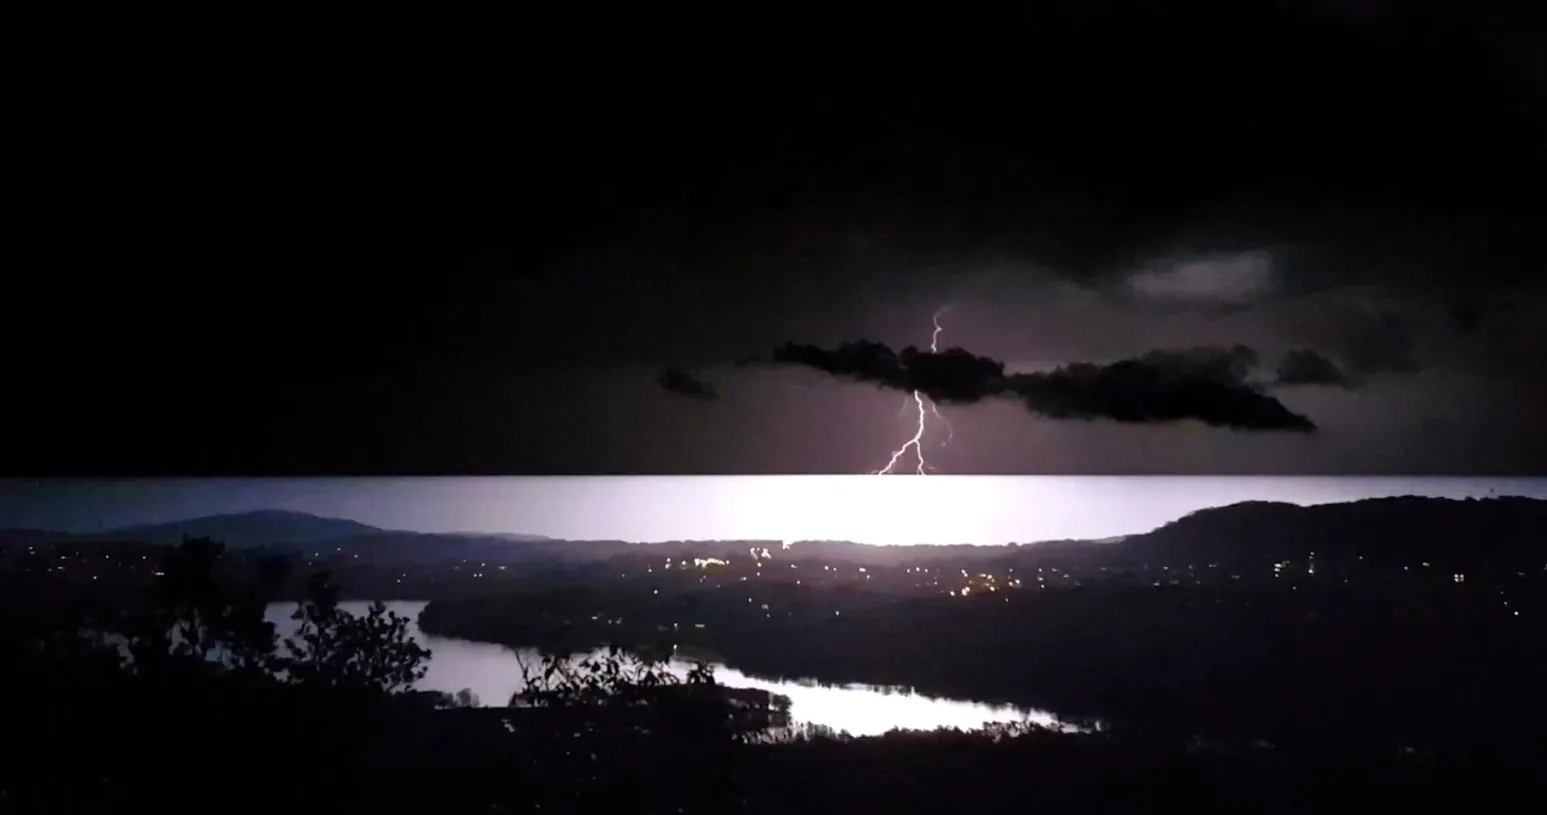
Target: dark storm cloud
(1399, 140)
(681, 382)
(1218, 282)
(1203, 384)
(1087, 142)
(953, 376)
(1302, 366)
(1381, 343)
(1138, 391)
(1466, 318)
(1226, 365)
(1137, 177)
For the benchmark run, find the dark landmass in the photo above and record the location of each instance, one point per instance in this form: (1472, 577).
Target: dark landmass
(269, 527)
(1254, 658)
(1297, 664)
(1258, 620)
(1441, 524)
(1493, 533)
(1496, 534)
(275, 529)
(1409, 622)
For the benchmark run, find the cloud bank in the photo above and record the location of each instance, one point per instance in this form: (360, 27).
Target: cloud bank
(682, 383)
(1208, 385)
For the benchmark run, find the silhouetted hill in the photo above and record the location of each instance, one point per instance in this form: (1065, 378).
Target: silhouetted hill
(506, 536)
(268, 527)
(31, 537)
(423, 548)
(1502, 532)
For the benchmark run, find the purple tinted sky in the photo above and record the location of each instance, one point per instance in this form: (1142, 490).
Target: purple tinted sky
(937, 509)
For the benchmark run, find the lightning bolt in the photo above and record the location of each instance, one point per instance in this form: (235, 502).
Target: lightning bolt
(924, 408)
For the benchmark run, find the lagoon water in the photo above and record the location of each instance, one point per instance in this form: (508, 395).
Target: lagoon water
(493, 673)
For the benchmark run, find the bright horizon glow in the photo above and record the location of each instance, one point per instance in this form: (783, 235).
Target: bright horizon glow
(903, 510)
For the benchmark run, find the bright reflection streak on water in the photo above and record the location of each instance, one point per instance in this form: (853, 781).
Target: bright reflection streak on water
(493, 673)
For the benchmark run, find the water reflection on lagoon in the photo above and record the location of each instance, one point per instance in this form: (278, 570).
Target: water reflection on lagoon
(493, 673)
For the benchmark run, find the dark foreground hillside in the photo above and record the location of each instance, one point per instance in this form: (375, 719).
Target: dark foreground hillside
(248, 753)
(1452, 666)
(327, 722)
(1358, 540)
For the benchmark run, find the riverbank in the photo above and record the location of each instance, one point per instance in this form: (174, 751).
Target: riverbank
(492, 674)
(101, 738)
(1315, 666)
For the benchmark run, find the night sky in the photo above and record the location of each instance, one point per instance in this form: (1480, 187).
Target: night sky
(1299, 238)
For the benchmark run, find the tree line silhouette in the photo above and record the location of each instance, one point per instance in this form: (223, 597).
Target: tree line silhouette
(190, 697)
(1327, 665)
(186, 697)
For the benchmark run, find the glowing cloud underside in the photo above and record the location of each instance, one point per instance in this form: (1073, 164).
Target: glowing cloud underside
(925, 407)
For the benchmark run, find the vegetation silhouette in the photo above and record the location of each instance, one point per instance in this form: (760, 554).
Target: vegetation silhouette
(180, 697)
(184, 696)
(1316, 666)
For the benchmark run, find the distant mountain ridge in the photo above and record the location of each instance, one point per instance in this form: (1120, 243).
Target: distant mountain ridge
(1506, 530)
(1498, 530)
(242, 530)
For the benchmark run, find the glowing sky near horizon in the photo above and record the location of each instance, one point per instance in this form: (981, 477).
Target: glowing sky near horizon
(938, 509)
